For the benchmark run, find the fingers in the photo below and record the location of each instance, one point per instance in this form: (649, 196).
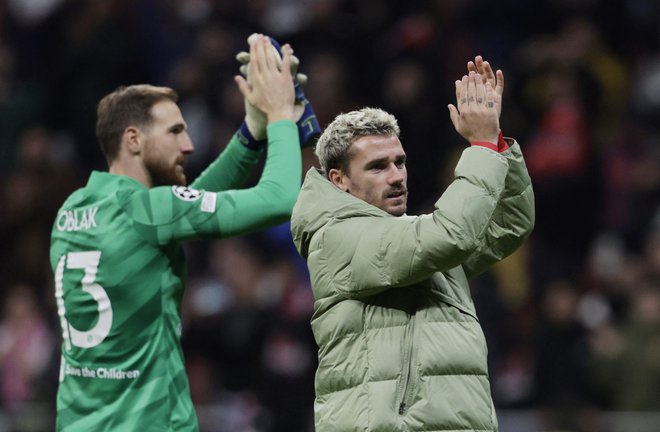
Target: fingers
(268, 53)
(479, 68)
(243, 57)
(454, 116)
(490, 97)
(471, 88)
(253, 38)
(256, 61)
(479, 89)
(263, 56)
(472, 94)
(499, 88)
(243, 86)
(482, 67)
(488, 74)
(295, 63)
(287, 59)
(475, 117)
(461, 92)
(458, 84)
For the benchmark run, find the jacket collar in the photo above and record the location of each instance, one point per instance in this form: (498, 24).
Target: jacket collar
(321, 202)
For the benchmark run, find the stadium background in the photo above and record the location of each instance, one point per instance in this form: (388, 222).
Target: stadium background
(572, 320)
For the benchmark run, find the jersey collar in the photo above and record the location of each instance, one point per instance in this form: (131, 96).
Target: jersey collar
(106, 182)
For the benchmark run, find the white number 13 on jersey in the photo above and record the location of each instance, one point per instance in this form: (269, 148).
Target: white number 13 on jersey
(89, 262)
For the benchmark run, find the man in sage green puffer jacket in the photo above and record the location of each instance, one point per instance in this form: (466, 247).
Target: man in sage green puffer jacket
(400, 345)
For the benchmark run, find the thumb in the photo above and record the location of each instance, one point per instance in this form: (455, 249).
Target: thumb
(454, 116)
(242, 86)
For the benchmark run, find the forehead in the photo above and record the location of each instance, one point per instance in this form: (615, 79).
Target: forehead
(371, 147)
(166, 111)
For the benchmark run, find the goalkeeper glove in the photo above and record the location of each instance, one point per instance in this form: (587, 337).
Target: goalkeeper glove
(253, 130)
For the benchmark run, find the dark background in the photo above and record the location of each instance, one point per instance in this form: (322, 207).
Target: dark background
(572, 319)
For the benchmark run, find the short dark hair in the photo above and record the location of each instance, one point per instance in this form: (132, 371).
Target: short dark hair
(126, 106)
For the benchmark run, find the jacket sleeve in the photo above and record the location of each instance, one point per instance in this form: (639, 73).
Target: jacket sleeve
(366, 255)
(166, 214)
(513, 218)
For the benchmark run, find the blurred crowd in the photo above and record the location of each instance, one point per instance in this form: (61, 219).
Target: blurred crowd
(572, 319)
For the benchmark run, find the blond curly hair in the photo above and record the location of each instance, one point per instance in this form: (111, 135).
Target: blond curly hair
(332, 148)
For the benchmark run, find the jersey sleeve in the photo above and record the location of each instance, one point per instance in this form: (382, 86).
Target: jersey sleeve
(166, 214)
(230, 170)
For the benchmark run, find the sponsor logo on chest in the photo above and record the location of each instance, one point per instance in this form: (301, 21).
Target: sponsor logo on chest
(76, 220)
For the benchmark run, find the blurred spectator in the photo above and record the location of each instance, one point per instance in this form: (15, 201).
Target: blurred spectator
(560, 357)
(578, 303)
(32, 192)
(20, 104)
(26, 347)
(627, 361)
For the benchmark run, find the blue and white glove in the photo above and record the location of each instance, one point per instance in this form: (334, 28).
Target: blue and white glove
(253, 130)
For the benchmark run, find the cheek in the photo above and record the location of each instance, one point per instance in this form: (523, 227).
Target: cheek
(374, 188)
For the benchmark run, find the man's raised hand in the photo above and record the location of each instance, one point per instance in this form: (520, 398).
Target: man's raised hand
(475, 115)
(494, 79)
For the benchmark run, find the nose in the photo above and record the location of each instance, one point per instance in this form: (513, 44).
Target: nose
(187, 146)
(397, 174)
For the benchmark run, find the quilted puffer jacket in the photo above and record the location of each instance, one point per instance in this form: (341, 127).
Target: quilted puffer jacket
(400, 344)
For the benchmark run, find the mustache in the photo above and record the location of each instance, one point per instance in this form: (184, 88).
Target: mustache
(401, 190)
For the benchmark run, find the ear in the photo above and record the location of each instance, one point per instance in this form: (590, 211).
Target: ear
(133, 139)
(338, 178)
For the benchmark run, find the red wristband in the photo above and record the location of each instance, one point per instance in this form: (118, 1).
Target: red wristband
(499, 147)
(501, 143)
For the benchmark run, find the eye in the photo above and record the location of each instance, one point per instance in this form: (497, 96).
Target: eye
(177, 129)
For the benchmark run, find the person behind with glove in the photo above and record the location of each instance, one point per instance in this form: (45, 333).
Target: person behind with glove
(252, 131)
(400, 345)
(116, 248)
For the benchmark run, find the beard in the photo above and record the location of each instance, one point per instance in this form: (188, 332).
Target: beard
(399, 193)
(164, 174)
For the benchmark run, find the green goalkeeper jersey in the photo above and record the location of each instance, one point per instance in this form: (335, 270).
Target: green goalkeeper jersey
(120, 276)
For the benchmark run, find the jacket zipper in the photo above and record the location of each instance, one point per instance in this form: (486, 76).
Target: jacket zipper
(409, 361)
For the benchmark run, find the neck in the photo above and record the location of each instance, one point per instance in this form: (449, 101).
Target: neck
(133, 169)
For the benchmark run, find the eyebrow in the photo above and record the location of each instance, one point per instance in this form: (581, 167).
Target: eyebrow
(383, 161)
(376, 162)
(177, 127)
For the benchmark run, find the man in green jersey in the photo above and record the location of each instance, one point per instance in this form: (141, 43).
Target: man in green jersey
(119, 267)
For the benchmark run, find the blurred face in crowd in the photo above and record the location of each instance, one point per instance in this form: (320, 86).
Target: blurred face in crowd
(376, 173)
(167, 144)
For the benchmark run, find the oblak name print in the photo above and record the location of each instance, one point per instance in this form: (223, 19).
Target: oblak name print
(77, 220)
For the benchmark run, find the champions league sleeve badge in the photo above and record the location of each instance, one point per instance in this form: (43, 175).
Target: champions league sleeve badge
(185, 193)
